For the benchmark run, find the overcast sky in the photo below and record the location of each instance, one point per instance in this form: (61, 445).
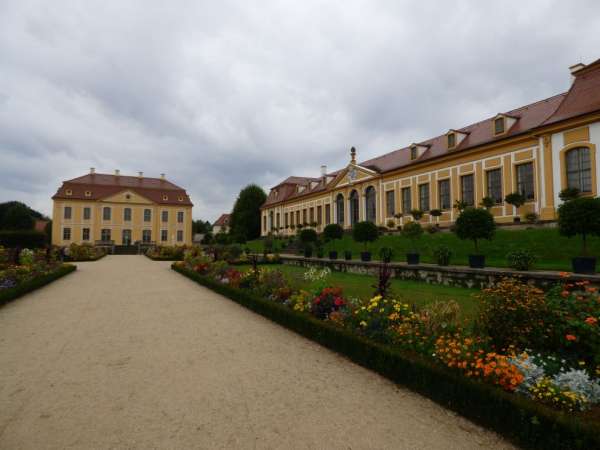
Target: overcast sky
(219, 94)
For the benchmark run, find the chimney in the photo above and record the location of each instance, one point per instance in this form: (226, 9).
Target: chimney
(162, 176)
(117, 172)
(140, 174)
(92, 170)
(323, 170)
(576, 68)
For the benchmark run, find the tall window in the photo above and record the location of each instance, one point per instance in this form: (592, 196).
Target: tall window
(277, 221)
(339, 206)
(413, 153)
(525, 180)
(312, 215)
(68, 212)
(319, 215)
(298, 217)
(494, 185)
(354, 217)
(105, 235)
(451, 140)
(292, 218)
(285, 220)
(371, 204)
(265, 223)
(66, 234)
(106, 213)
(499, 125)
(327, 214)
(179, 235)
(147, 215)
(164, 235)
(406, 200)
(466, 190)
(271, 221)
(146, 236)
(304, 221)
(579, 169)
(424, 197)
(390, 203)
(87, 213)
(164, 216)
(127, 214)
(85, 234)
(179, 216)
(444, 193)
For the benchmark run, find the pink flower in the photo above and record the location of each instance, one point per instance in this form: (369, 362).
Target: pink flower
(570, 337)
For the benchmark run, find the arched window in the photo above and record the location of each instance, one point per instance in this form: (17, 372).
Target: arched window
(271, 221)
(579, 169)
(354, 215)
(370, 202)
(339, 206)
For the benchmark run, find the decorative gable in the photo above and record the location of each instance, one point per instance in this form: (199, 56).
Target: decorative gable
(501, 123)
(417, 150)
(127, 196)
(454, 138)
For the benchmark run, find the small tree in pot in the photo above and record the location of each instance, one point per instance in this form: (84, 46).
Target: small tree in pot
(517, 200)
(413, 231)
(365, 232)
(333, 232)
(417, 214)
(487, 202)
(436, 213)
(307, 238)
(475, 224)
(580, 216)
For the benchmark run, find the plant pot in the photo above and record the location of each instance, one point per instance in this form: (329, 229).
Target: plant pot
(347, 255)
(477, 261)
(584, 264)
(365, 256)
(387, 259)
(320, 254)
(307, 252)
(333, 254)
(517, 220)
(413, 258)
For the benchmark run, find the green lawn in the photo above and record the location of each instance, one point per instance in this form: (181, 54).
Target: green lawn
(413, 292)
(554, 252)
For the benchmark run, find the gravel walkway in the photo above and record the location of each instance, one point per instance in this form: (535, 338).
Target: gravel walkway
(125, 353)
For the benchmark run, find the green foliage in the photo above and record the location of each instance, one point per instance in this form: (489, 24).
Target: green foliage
(201, 227)
(413, 231)
(516, 199)
(417, 214)
(84, 252)
(222, 238)
(520, 259)
(531, 217)
(23, 239)
(568, 194)
(7, 295)
(487, 202)
(580, 216)
(460, 206)
(475, 224)
(391, 224)
(435, 212)
(442, 254)
(17, 216)
(307, 235)
(245, 218)
(365, 232)
(386, 254)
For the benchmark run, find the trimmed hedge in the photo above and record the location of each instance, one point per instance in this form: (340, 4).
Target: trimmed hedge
(67, 258)
(22, 238)
(529, 424)
(7, 295)
(163, 258)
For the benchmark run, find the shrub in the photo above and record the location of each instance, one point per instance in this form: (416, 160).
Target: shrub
(440, 317)
(475, 224)
(308, 235)
(520, 259)
(435, 212)
(391, 224)
(222, 238)
(413, 231)
(580, 216)
(377, 317)
(365, 232)
(328, 301)
(386, 254)
(460, 205)
(22, 238)
(417, 214)
(332, 232)
(432, 229)
(487, 202)
(531, 217)
(442, 255)
(516, 199)
(568, 194)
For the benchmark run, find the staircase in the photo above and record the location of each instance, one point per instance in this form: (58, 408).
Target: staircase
(126, 250)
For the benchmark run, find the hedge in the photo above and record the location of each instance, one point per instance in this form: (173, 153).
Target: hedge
(22, 238)
(529, 424)
(96, 258)
(163, 258)
(7, 295)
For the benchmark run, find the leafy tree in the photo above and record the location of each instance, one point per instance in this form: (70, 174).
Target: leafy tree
(412, 231)
(516, 199)
(569, 194)
(308, 235)
(365, 232)
(435, 212)
(460, 205)
(475, 224)
(487, 202)
(333, 231)
(580, 216)
(222, 238)
(201, 227)
(17, 216)
(416, 213)
(245, 218)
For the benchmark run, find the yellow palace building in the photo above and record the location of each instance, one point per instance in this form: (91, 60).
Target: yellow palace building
(105, 209)
(536, 150)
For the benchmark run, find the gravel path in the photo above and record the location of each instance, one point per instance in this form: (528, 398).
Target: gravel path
(125, 353)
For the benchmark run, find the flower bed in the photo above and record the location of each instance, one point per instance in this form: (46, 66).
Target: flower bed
(525, 396)
(84, 252)
(166, 253)
(34, 270)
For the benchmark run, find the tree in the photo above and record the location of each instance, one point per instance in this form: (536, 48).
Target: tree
(487, 202)
(333, 231)
(475, 224)
(413, 231)
(417, 214)
(365, 232)
(17, 216)
(307, 236)
(580, 216)
(245, 218)
(516, 199)
(201, 227)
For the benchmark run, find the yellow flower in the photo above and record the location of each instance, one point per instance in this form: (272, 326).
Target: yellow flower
(363, 323)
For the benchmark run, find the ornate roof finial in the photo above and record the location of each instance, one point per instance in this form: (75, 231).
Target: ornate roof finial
(352, 155)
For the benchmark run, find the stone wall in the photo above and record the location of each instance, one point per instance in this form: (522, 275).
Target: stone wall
(447, 275)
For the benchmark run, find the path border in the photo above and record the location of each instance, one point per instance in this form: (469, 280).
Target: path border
(10, 294)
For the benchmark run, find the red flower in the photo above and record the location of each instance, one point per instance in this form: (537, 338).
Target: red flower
(571, 337)
(591, 321)
(338, 301)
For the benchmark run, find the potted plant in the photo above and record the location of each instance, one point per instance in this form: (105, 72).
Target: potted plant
(442, 255)
(320, 252)
(365, 232)
(517, 200)
(417, 214)
(386, 254)
(391, 224)
(520, 259)
(333, 232)
(413, 231)
(307, 238)
(460, 205)
(308, 250)
(347, 255)
(435, 213)
(475, 224)
(580, 216)
(487, 202)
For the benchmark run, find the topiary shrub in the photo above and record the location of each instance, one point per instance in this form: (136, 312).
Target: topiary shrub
(531, 218)
(417, 214)
(413, 231)
(520, 259)
(487, 202)
(307, 235)
(365, 232)
(580, 216)
(516, 199)
(333, 231)
(475, 224)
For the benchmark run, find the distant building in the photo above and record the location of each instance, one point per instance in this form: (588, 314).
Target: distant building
(40, 225)
(121, 210)
(222, 224)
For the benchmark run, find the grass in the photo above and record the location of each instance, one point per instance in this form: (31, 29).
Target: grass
(412, 292)
(553, 252)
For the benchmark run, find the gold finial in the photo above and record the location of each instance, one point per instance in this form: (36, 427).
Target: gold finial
(353, 155)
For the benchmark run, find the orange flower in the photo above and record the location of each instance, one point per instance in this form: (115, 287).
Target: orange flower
(571, 337)
(565, 294)
(591, 321)
(564, 274)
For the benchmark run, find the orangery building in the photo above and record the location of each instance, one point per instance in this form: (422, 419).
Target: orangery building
(536, 150)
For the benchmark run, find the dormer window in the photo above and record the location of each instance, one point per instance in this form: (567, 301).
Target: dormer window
(180, 198)
(455, 137)
(499, 125)
(69, 192)
(413, 153)
(451, 140)
(88, 193)
(165, 197)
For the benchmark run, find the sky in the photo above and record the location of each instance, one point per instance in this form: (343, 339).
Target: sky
(218, 95)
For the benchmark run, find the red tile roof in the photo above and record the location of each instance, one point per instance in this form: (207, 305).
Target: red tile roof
(102, 186)
(222, 221)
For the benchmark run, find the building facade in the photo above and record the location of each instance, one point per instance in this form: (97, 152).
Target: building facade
(536, 150)
(121, 210)
(221, 225)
